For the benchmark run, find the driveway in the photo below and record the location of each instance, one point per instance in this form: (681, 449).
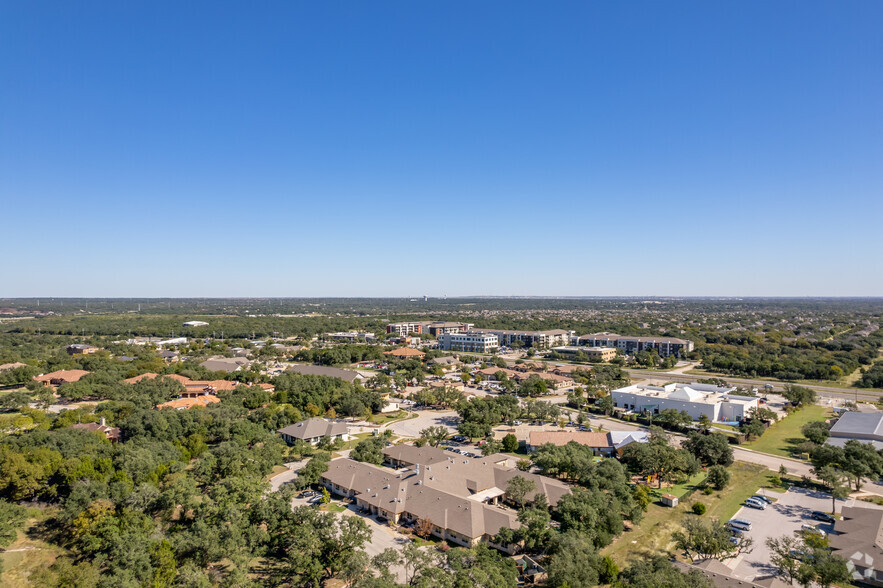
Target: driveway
(383, 537)
(279, 480)
(426, 418)
(782, 518)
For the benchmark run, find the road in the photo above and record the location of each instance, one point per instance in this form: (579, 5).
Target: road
(427, 418)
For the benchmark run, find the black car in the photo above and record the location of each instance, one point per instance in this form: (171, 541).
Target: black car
(822, 516)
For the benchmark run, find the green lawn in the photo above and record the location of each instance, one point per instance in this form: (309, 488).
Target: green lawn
(694, 483)
(653, 535)
(782, 437)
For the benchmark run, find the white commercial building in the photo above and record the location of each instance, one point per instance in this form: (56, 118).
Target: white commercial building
(718, 403)
(469, 342)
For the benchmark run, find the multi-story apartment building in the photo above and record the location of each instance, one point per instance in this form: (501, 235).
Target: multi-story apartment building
(538, 339)
(402, 329)
(469, 342)
(595, 353)
(665, 346)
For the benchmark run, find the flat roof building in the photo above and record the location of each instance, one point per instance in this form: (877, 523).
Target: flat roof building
(665, 346)
(538, 339)
(598, 353)
(469, 342)
(866, 427)
(717, 403)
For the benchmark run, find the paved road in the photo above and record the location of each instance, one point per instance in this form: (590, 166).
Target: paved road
(279, 480)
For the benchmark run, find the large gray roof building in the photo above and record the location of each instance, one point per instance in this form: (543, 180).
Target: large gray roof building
(859, 539)
(866, 427)
(321, 370)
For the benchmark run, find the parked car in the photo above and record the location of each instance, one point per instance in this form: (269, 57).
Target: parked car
(315, 500)
(806, 528)
(758, 504)
(763, 498)
(822, 516)
(516, 422)
(740, 524)
(307, 494)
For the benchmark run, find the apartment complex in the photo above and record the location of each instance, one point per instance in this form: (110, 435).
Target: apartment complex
(664, 346)
(718, 403)
(434, 328)
(469, 342)
(593, 353)
(462, 497)
(538, 339)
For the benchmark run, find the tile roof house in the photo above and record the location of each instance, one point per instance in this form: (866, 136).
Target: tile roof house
(858, 538)
(313, 430)
(460, 496)
(866, 427)
(60, 377)
(188, 403)
(138, 378)
(111, 433)
(405, 353)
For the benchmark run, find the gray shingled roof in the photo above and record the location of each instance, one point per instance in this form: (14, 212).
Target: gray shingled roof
(321, 370)
(316, 427)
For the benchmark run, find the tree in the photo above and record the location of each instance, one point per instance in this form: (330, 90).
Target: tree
(313, 470)
(833, 480)
(799, 395)
(860, 461)
(491, 446)
(705, 539)
(369, 450)
(518, 489)
(658, 571)
(807, 560)
(817, 431)
(423, 528)
(752, 428)
(704, 422)
(575, 562)
(712, 449)
(718, 477)
(510, 443)
(435, 435)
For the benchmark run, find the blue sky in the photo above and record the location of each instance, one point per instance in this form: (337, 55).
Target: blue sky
(458, 148)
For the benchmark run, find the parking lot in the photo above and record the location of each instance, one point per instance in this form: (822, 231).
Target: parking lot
(791, 510)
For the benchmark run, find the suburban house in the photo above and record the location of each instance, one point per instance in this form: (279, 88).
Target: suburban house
(329, 372)
(60, 377)
(188, 403)
(664, 346)
(225, 364)
(857, 539)
(459, 496)
(606, 444)
(110, 433)
(82, 349)
(313, 430)
(866, 427)
(718, 403)
(447, 362)
(405, 353)
(168, 356)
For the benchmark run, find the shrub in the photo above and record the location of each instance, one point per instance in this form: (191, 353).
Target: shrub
(707, 490)
(698, 508)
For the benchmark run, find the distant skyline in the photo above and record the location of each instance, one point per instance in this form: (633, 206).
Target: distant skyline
(396, 149)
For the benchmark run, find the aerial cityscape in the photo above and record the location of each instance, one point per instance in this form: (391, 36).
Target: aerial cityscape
(441, 295)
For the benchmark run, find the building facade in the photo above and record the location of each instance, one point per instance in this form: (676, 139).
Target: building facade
(469, 342)
(664, 346)
(537, 339)
(715, 402)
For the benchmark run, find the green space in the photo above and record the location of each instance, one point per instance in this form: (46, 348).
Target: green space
(28, 554)
(385, 418)
(653, 535)
(690, 485)
(783, 437)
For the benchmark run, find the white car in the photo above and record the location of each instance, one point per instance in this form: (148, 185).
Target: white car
(805, 528)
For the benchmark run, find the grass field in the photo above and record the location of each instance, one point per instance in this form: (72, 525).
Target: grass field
(653, 535)
(782, 437)
(28, 553)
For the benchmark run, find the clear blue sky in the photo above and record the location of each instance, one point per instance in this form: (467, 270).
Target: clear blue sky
(406, 148)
